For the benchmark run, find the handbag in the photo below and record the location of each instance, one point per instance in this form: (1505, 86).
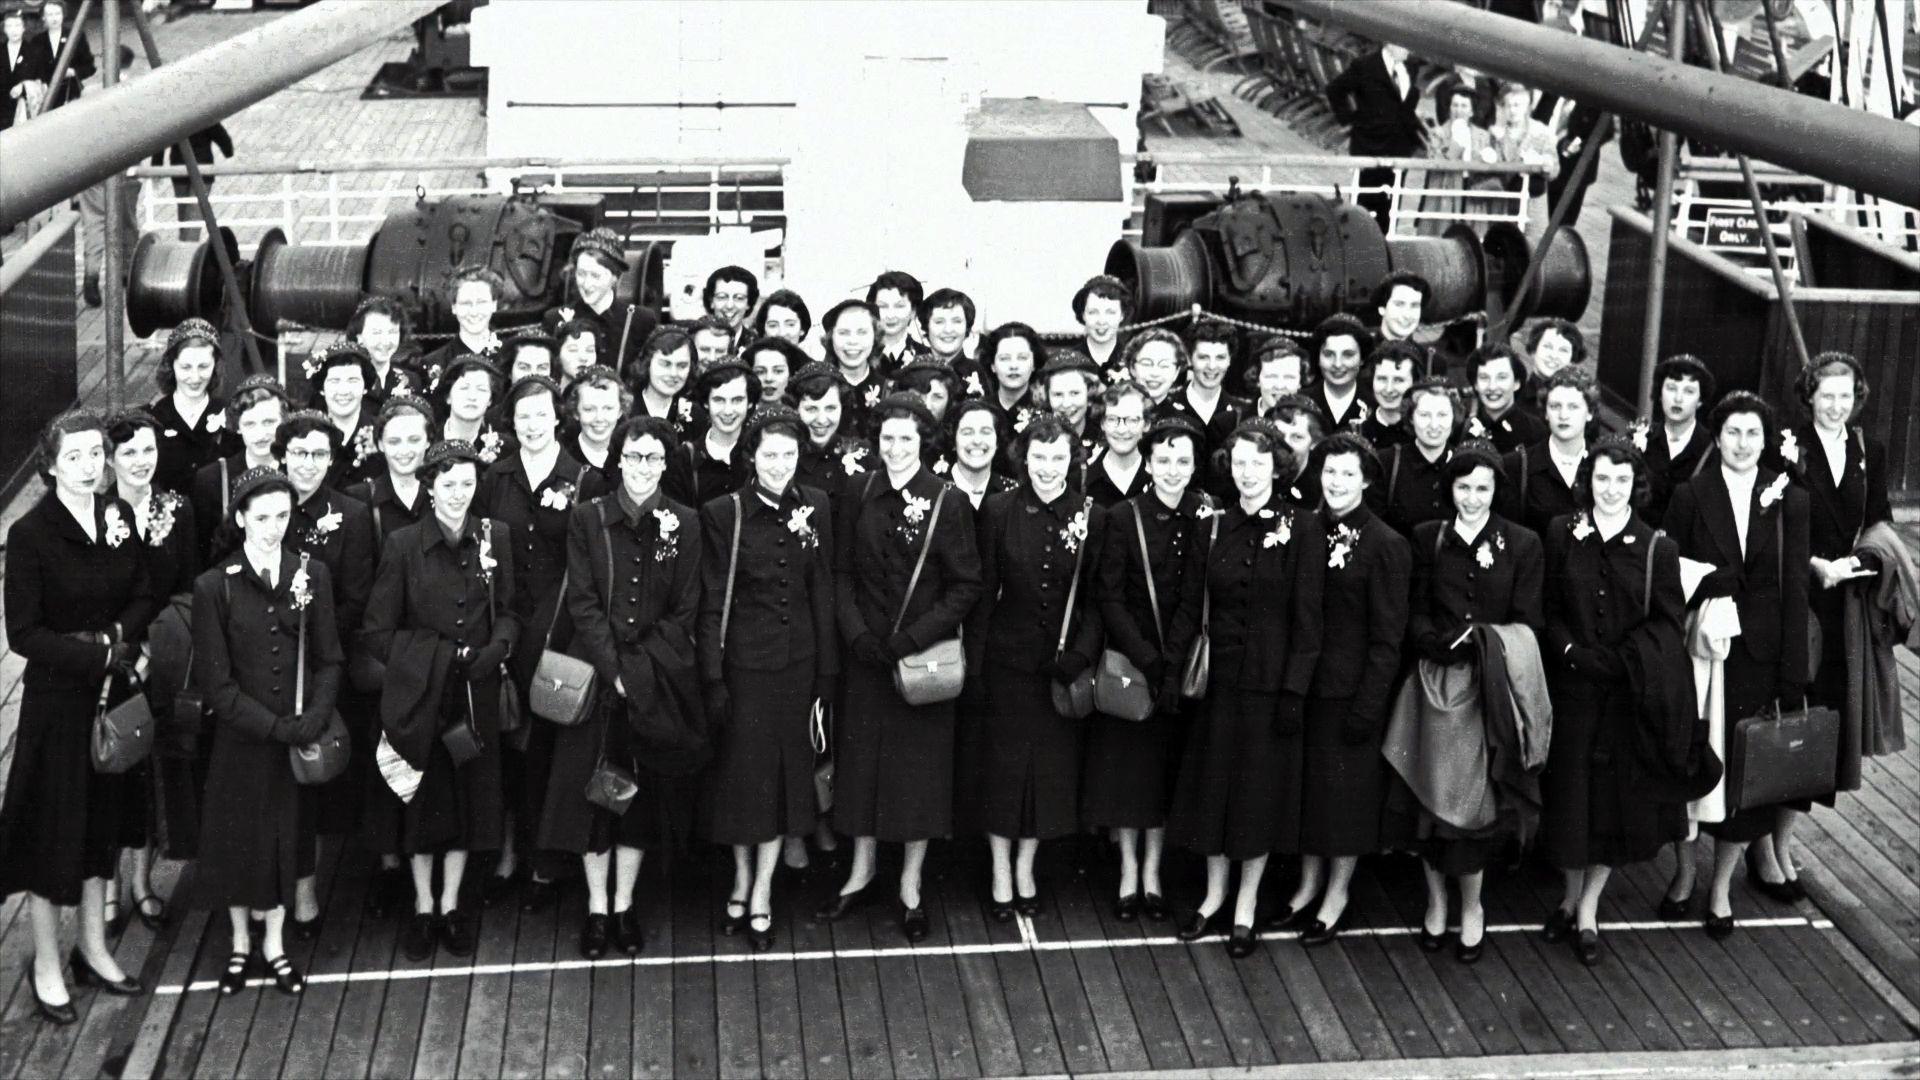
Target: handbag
(1074, 700)
(1199, 665)
(937, 672)
(1120, 688)
(823, 772)
(1782, 755)
(610, 787)
(462, 739)
(325, 758)
(123, 734)
(562, 686)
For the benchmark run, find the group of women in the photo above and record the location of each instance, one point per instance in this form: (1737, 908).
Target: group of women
(899, 594)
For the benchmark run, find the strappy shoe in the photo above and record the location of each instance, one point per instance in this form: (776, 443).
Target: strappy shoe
(116, 919)
(87, 975)
(234, 979)
(736, 918)
(286, 978)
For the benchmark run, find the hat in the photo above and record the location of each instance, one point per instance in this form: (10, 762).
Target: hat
(1069, 360)
(604, 245)
(520, 389)
(1168, 426)
(814, 370)
(399, 402)
(720, 371)
(770, 413)
(316, 365)
(464, 363)
(1096, 281)
(256, 479)
(930, 366)
(529, 335)
(909, 402)
(1262, 426)
(449, 452)
(260, 382)
(1479, 452)
(192, 332)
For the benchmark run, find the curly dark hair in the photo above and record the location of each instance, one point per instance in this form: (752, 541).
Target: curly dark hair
(71, 422)
(1262, 436)
(302, 424)
(1739, 402)
(1620, 452)
(1352, 442)
(783, 298)
(1045, 428)
(1684, 366)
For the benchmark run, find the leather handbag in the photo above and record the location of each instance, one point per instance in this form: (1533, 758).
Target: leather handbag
(186, 718)
(562, 687)
(1782, 755)
(123, 734)
(1199, 665)
(325, 758)
(937, 672)
(1120, 688)
(611, 786)
(462, 740)
(1074, 700)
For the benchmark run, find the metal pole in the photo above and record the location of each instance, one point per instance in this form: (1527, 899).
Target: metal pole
(113, 282)
(229, 280)
(86, 141)
(1860, 150)
(1589, 151)
(1662, 227)
(1779, 54)
(66, 57)
(1780, 283)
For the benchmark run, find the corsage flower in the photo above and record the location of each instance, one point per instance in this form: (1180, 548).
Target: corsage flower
(974, 389)
(912, 515)
(1789, 447)
(871, 395)
(1345, 539)
(1074, 531)
(1282, 533)
(1360, 412)
(160, 516)
(669, 528)
(1582, 526)
(1774, 492)
(300, 590)
(850, 461)
(487, 561)
(1476, 427)
(117, 529)
(490, 446)
(1484, 555)
(800, 524)
(363, 444)
(1639, 433)
(685, 409)
(328, 522)
(941, 466)
(557, 497)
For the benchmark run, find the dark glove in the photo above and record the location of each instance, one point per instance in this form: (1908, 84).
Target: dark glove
(1156, 672)
(868, 650)
(289, 730)
(486, 661)
(1869, 560)
(313, 724)
(121, 657)
(1065, 668)
(1288, 714)
(719, 703)
(899, 645)
(826, 688)
(1356, 730)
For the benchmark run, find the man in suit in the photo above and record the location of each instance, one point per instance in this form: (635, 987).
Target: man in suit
(201, 143)
(21, 76)
(1377, 99)
(47, 53)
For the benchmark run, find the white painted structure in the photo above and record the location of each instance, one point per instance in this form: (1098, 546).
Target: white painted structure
(868, 101)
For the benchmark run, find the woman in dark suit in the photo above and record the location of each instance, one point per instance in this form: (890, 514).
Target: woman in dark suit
(1676, 444)
(1845, 475)
(79, 595)
(1343, 778)
(467, 397)
(894, 771)
(164, 525)
(1130, 767)
(633, 593)
(1751, 523)
(1538, 484)
(1256, 590)
(396, 498)
(259, 615)
(442, 616)
(534, 489)
(778, 657)
(977, 468)
(598, 260)
(1036, 625)
(658, 378)
(596, 404)
(380, 325)
(193, 422)
(1413, 485)
(1475, 567)
(343, 381)
(253, 414)
(1116, 470)
(710, 466)
(1613, 601)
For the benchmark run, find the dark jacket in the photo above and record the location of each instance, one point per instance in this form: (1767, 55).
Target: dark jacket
(1365, 624)
(426, 583)
(1532, 491)
(1837, 515)
(621, 321)
(838, 467)
(1518, 428)
(540, 518)
(210, 492)
(172, 549)
(878, 546)
(1411, 489)
(1265, 621)
(202, 143)
(1029, 552)
(79, 69)
(186, 449)
(1127, 610)
(384, 508)
(1383, 122)
(1453, 586)
(29, 68)
(783, 590)
(359, 458)
(60, 583)
(246, 640)
(345, 544)
(1665, 471)
(1768, 585)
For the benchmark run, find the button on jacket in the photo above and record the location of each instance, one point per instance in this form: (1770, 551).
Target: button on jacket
(877, 553)
(1517, 428)
(427, 582)
(246, 640)
(1495, 579)
(1665, 473)
(1411, 489)
(631, 580)
(1125, 607)
(345, 545)
(1266, 619)
(186, 448)
(783, 588)
(1028, 552)
(1366, 610)
(539, 518)
(1768, 583)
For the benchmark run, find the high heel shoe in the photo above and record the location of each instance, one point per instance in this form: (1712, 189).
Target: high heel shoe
(845, 904)
(1470, 954)
(733, 924)
(1194, 926)
(1675, 910)
(760, 932)
(1586, 946)
(1027, 905)
(1320, 933)
(1127, 908)
(62, 1014)
(305, 929)
(594, 934)
(1153, 906)
(913, 923)
(85, 974)
(1432, 942)
(152, 912)
(1779, 892)
(1241, 943)
(1719, 927)
(286, 978)
(234, 979)
(1287, 918)
(1000, 911)
(1559, 926)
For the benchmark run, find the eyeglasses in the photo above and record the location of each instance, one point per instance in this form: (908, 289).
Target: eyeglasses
(308, 455)
(1124, 421)
(651, 461)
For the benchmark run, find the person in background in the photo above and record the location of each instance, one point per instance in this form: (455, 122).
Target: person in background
(1339, 349)
(79, 595)
(1415, 487)
(342, 379)
(658, 378)
(582, 344)
(1117, 470)
(1155, 360)
(1401, 302)
(528, 352)
(1540, 480)
(1302, 424)
(258, 826)
(473, 295)
(1553, 344)
(730, 295)
(1210, 361)
(193, 419)
(783, 317)
(1279, 369)
(1013, 352)
(596, 404)
(709, 464)
(1519, 139)
(253, 415)
(381, 326)
(1498, 417)
(832, 456)
(597, 261)
(467, 394)
(201, 143)
(896, 295)
(852, 333)
(1070, 385)
(977, 467)
(768, 548)
(1377, 100)
(937, 386)
(1460, 135)
(1130, 768)
(1392, 370)
(21, 76)
(93, 211)
(774, 360)
(712, 341)
(1100, 307)
(1676, 447)
(947, 321)
(80, 68)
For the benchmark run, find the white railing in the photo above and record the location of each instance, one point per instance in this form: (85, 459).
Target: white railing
(341, 204)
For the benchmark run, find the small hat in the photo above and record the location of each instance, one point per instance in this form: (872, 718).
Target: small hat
(193, 332)
(254, 479)
(911, 403)
(450, 452)
(769, 413)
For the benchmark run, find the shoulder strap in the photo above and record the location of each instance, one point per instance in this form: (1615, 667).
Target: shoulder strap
(560, 601)
(486, 538)
(606, 541)
(379, 530)
(733, 564)
(620, 358)
(1073, 587)
(1524, 470)
(1439, 537)
(1146, 564)
(920, 563)
(1646, 587)
(1393, 474)
(225, 494)
(1780, 545)
(300, 654)
(1206, 590)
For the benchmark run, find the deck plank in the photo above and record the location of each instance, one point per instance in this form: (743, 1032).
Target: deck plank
(735, 996)
(696, 1048)
(1591, 1000)
(1386, 883)
(1067, 1000)
(483, 1036)
(1712, 974)
(1450, 1029)
(823, 1032)
(948, 1023)
(783, 1054)
(652, 1022)
(530, 993)
(995, 1044)
(869, 1052)
(1113, 1015)
(173, 967)
(181, 1054)
(569, 1008)
(609, 1047)
(1162, 1040)
(342, 907)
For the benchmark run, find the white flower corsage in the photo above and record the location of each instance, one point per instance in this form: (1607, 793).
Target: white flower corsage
(160, 516)
(1582, 527)
(1775, 491)
(941, 466)
(1639, 433)
(1345, 539)
(490, 446)
(1360, 412)
(1627, 539)
(565, 313)
(799, 523)
(1484, 555)
(1475, 427)
(170, 433)
(871, 395)
(1282, 533)
(117, 529)
(300, 591)
(1789, 447)
(310, 367)
(363, 444)
(487, 561)
(685, 409)
(913, 514)
(1074, 531)
(974, 389)
(328, 522)
(216, 420)
(850, 461)
(557, 497)
(668, 526)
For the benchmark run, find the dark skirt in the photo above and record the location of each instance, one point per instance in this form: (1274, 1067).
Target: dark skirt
(457, 808)
(60, 823)
(1749, 689)
(760, 785)
(1029, 778)
(660, 817)
(257, 828)
(1591, 817)
(1228, 799)
(1342, 786)
(893, 762)
(1130, 770)
(341, 802)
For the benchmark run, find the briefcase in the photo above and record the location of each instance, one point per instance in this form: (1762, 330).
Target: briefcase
(1782, 755)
